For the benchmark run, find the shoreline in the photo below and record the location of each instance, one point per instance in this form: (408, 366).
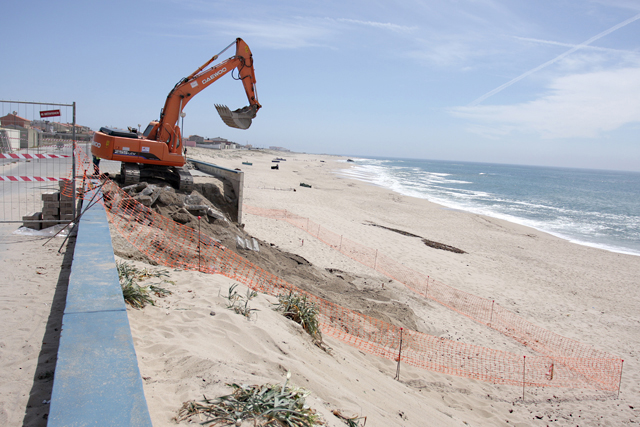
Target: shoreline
(505, 217)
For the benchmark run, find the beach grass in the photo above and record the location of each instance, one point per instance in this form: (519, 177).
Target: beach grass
(139, 296)
(265, 405)
(240, 303)
(302, 311)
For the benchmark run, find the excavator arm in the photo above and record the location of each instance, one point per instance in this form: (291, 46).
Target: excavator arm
(167, 130)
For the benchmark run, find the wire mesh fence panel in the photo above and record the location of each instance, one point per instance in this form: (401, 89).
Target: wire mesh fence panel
(36, 154)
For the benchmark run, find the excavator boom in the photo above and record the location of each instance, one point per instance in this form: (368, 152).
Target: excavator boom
(158, 152)
(202, 78)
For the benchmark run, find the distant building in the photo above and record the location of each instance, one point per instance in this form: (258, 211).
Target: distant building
(272, 147)
(28, 138)
(9, 140)
(218, 144)
(13, 119)
(43, 125)
(61, 127)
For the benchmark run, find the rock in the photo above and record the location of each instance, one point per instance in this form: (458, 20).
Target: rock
(144, 200)
(181, 218)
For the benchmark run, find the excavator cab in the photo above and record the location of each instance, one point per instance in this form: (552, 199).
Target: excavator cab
(152, 130)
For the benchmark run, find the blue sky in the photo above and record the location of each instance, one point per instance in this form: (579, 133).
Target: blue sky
(515, 81)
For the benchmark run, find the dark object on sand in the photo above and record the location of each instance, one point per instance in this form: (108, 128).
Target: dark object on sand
(275, 167)
(442, 246)
(427, 242)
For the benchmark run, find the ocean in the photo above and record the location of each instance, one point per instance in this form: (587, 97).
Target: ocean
(589, 207)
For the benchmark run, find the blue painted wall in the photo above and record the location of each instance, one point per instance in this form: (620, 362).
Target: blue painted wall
(97, 381)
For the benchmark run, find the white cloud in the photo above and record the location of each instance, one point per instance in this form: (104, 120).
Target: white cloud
(581, 105)
(383, 25)
(443, 52)
(295, 32)
(278, 34)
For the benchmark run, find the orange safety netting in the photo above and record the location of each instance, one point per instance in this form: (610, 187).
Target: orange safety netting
(597, 366)
(563, 363)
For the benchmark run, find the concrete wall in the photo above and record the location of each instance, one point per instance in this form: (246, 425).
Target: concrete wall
(236, 178)
(97, 380)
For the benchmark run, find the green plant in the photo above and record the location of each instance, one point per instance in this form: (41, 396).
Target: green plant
(299, 309)
(135, 295)
(269, 405)
(350, 421)
(239, 303)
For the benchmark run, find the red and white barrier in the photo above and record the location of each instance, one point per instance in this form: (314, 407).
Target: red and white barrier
(30, 178)
(31, 156)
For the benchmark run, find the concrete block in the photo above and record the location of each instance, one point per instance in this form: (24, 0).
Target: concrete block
(64, 197)
(50, 220)
(51, 196)
(66, 207)
(66, 204)
(32, 220)
(67, 217)
(33, 216)
(50, 211)
(66, 190)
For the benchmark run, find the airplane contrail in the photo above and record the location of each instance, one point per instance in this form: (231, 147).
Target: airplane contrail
(556, 59)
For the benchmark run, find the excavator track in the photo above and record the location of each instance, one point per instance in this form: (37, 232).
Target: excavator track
(129, 173)
(185, 180)
(179, 178)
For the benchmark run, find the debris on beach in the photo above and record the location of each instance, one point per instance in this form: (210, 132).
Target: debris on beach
(430, 243)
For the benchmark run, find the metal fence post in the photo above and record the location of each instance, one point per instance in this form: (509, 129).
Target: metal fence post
(73, 162)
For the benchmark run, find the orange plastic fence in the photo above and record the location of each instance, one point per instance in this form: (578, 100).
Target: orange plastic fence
(83, 163)
(561, 352)
(564, 363)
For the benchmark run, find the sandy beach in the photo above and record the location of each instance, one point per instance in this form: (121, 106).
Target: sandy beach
(190, 344)
(33, 292)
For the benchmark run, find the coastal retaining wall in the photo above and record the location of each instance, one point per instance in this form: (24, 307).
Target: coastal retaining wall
(97, 379)
(234, 177)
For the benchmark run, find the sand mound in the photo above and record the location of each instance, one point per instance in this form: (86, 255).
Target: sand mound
(206, 209)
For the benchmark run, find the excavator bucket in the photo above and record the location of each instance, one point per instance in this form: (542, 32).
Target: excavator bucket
(240, 118)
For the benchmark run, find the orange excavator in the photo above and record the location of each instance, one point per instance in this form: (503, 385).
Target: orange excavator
(158, 151)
